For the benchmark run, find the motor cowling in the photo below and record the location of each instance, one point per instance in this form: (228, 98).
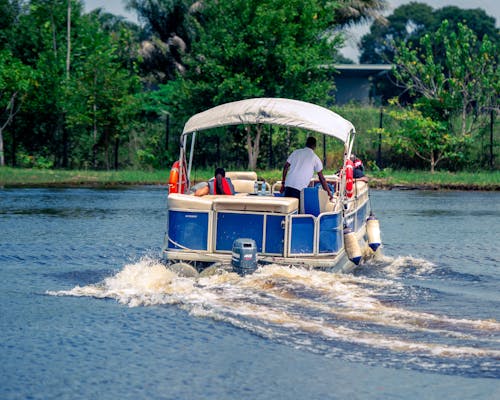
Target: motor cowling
(244, 256)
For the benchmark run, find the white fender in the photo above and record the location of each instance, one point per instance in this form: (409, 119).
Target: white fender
(351, 246)
(373, 232)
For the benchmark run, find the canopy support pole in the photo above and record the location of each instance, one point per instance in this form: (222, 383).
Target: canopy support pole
(191, 153)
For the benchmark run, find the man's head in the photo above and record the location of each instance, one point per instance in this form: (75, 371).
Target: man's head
(311, 142)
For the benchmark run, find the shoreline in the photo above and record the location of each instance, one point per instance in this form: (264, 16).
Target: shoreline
(377, 184)
(384, 185)
(384, 180)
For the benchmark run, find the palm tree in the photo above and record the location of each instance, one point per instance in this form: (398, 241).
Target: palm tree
(168, 33)
(352, 12)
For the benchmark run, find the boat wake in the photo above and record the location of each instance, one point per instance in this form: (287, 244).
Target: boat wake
(397, 267)
(358, 318)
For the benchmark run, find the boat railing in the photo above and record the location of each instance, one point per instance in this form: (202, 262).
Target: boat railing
(245, 201)
(360, 194)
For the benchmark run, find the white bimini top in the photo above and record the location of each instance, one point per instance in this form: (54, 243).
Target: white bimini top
(274, 111)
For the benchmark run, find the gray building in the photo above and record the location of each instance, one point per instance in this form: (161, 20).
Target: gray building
(355, 82)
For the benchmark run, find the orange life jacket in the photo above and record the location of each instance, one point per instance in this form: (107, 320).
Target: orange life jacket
(173, 181)
(349, 178)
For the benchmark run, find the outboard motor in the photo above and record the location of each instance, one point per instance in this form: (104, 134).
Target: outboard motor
(244, 256)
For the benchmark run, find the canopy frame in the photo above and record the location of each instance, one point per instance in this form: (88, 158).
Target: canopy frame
(269, 111)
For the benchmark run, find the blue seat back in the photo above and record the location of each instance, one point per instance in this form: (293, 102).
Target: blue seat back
(309, 201)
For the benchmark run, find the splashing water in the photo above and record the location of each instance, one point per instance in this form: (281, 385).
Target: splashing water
(338, 315)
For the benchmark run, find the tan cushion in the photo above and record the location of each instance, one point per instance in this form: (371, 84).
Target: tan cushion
(244, 175)
(282, 205)
(186, 201)
(243, 185)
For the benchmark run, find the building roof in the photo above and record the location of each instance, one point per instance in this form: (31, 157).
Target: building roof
(361, 70)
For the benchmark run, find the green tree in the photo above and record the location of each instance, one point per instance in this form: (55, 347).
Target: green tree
(473, 74)
(170, 29)
(456, 85)
(98, 89)
(410, 22)
(85, 67)
(451, 90)
(421, 136)
(15, 81)
(256, 48)
(42, 42)
(9, 11)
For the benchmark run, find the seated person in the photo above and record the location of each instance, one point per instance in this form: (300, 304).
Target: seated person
(358, 170)
(219, 184)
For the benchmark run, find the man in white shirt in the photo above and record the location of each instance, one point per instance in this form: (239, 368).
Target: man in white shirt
(300, 168)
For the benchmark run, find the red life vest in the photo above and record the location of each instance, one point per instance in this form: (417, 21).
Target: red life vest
(225, 187)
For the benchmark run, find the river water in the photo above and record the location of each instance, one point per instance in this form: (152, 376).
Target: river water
(88, 312)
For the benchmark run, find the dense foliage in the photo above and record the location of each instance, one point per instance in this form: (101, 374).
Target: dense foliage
(78, 86)
(411, 22)
(271, 57)
(455, 80)
(94, 91)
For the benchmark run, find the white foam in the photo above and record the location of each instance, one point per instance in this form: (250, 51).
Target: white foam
(290, 303)
(143, 283)
(400, 265)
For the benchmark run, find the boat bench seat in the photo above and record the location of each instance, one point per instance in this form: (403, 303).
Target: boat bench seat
(243, 185)
(190, 202)
(281, 205)
(243, 202)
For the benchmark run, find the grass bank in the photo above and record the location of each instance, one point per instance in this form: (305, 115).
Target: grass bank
(386, 179)
(27, 177)
(485, 180)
